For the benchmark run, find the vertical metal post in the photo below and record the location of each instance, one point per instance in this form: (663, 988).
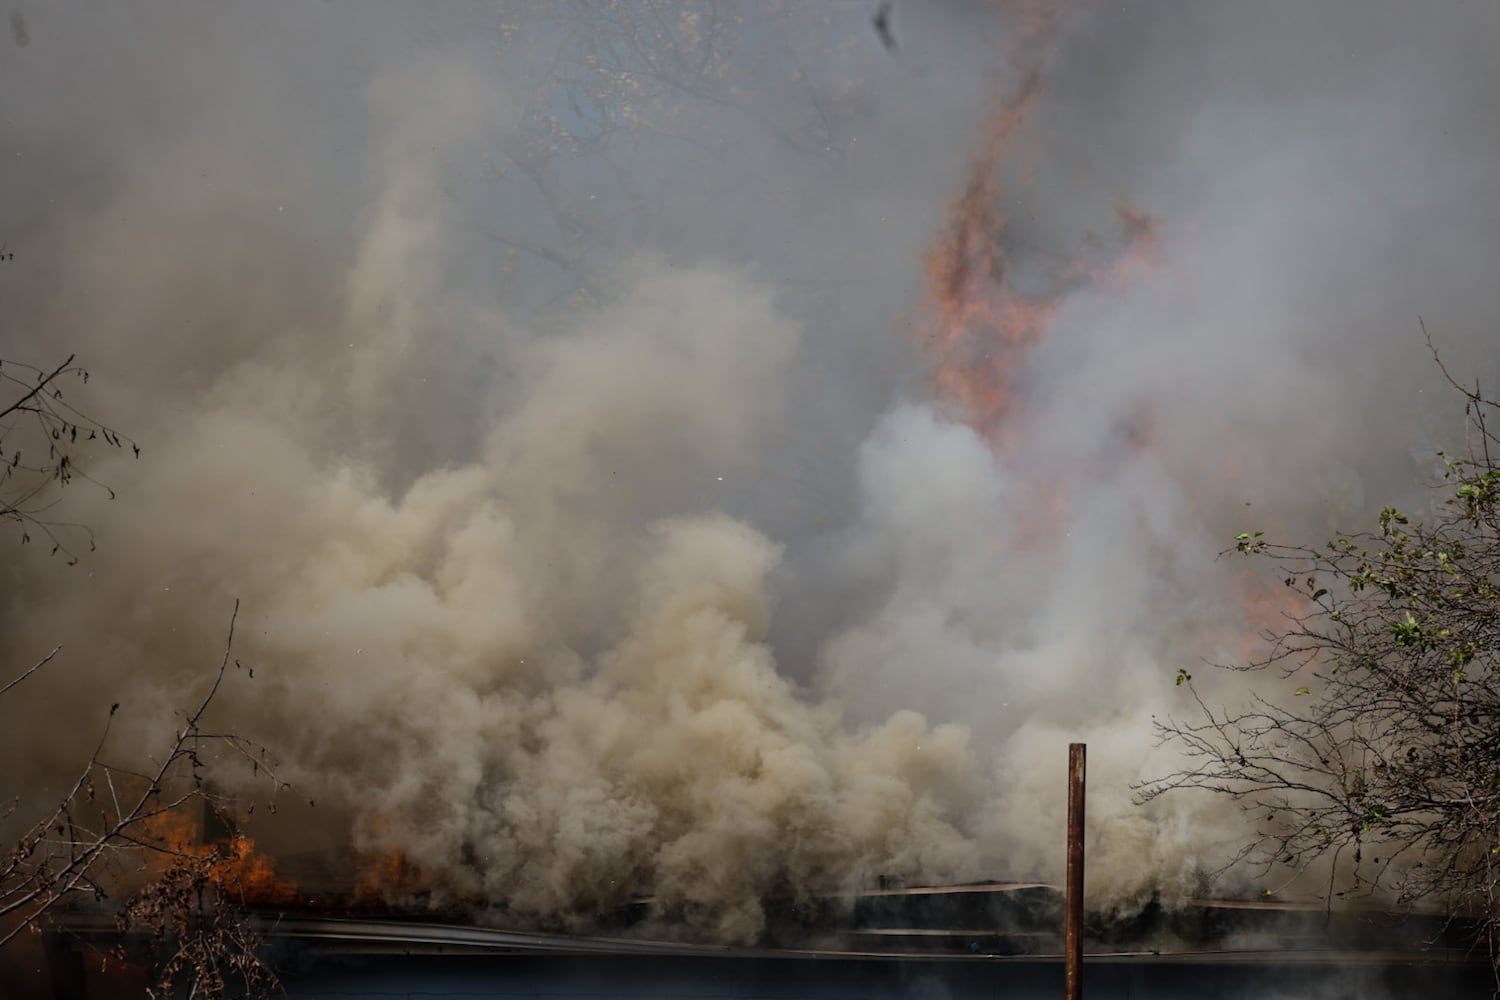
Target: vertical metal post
(1073, 927)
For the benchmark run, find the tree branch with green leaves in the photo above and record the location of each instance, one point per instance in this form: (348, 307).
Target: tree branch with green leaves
(1374, 743)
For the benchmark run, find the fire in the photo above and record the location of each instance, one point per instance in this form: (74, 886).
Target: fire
(391, 875)
(173, 830)
(981, 327)
(251, 875)
(1269, 608)
(1263, 602)
(234, 862)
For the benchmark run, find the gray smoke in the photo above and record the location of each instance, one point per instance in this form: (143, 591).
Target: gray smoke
(596, 530)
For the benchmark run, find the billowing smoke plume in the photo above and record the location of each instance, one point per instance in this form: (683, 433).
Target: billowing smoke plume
(598, 530)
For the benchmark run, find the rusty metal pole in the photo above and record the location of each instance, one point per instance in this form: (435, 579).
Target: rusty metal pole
(1073, 926)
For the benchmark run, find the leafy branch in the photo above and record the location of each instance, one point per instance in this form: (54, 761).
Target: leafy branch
(1378, 752)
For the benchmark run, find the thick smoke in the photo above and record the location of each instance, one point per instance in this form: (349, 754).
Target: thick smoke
(655, 569)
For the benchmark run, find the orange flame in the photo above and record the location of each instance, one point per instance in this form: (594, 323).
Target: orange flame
(173, 830)
(391, 875)
(252, 876)
(235, 864)
(981, 327)
(1267, 608)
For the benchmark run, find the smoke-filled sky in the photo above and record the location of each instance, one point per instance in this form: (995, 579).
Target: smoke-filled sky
(555, 386)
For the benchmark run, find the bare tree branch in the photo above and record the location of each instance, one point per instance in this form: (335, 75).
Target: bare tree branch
(39, 664)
